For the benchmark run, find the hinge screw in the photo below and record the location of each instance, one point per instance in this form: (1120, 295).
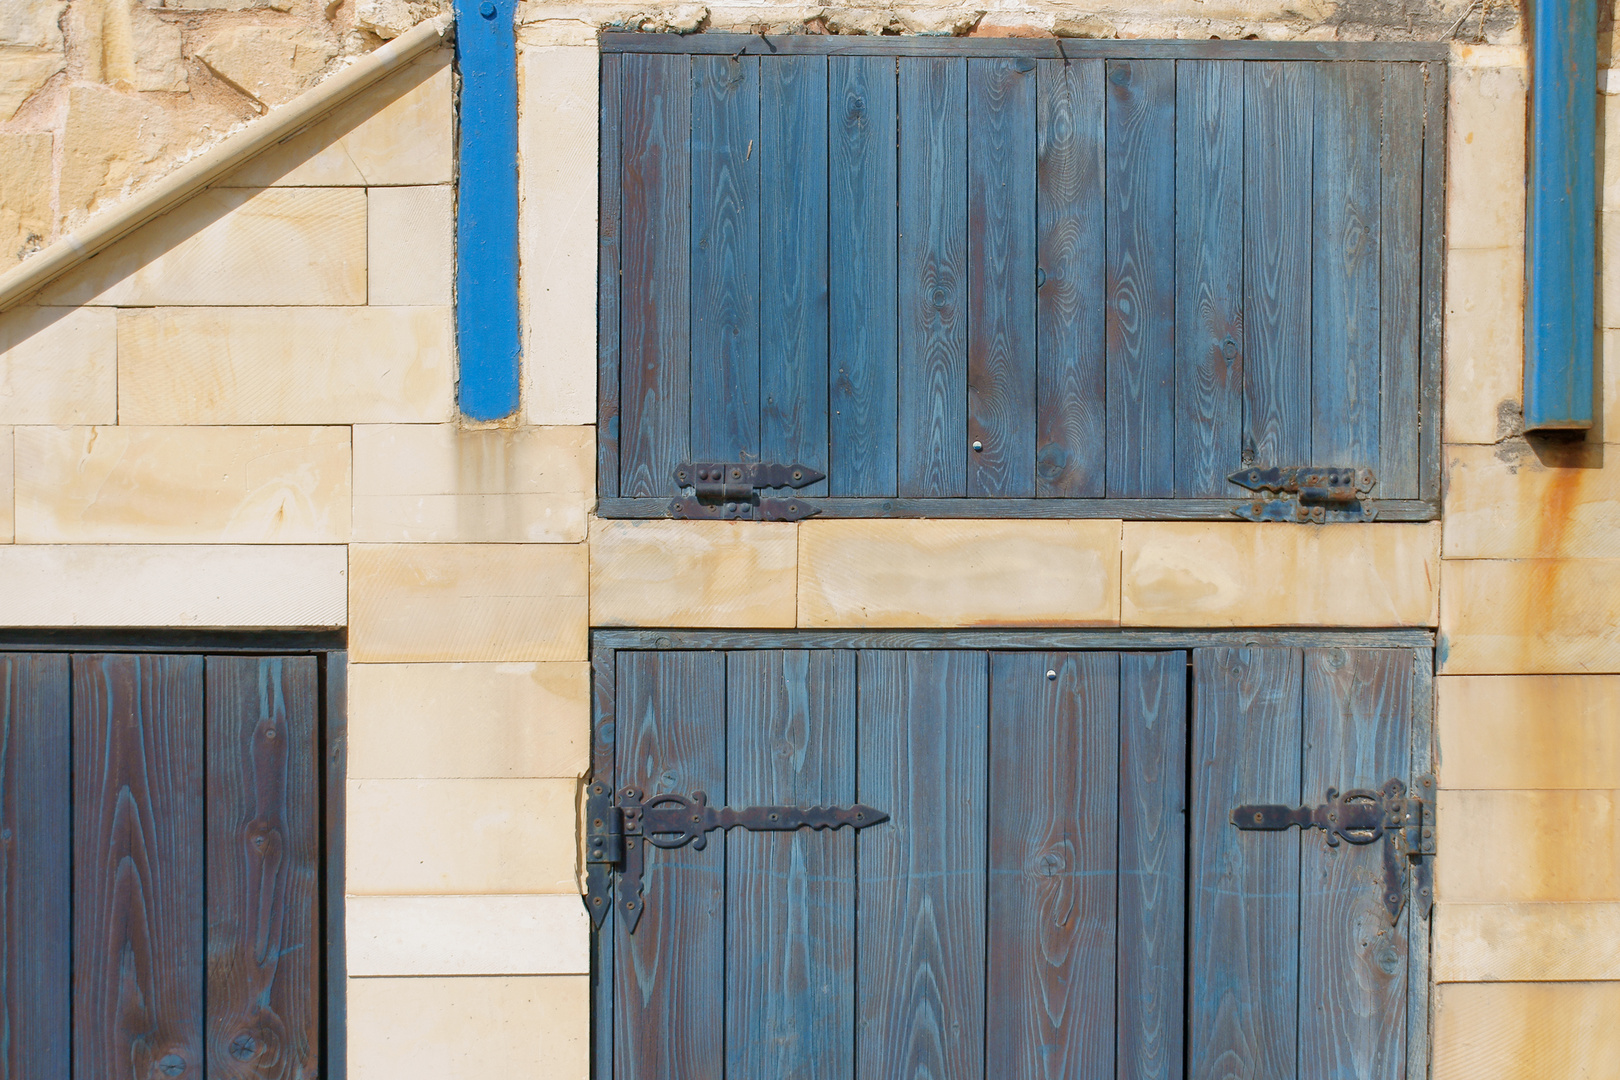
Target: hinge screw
(1050, 674)
(977, 445)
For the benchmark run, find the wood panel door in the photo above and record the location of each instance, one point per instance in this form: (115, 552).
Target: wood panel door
(161, 866)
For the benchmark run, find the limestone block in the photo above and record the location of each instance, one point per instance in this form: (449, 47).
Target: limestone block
(1528, 731)
(1243, 574)
(428, 837)
(26, 176)
(270, 62)
(36, 24)
(6, 498)
(1517, 846)
(444, 721)
(1484, 344)
(1547, 942)
(444, 483)
(692, 573)
(23, 71)
(231, 246)
(1609, 133)
(1529, 616)
(285, 365)
(467, 935)
(958, 573)
(172, 585)
(179, 485)
(1526, 1031)
(489, 602)
(1485, 173)
(1608, 378)
(557, 139)
(410, 244)
(468, 1028)
(400, 131)
(155, 59)
(58, 366)
(1518, 500)
(1609, 270)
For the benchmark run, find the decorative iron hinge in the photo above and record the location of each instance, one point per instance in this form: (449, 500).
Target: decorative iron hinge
(730, 491)
(1308, 493)
(617, 833)
(1404, 822)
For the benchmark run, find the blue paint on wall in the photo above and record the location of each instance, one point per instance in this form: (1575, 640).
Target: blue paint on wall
(1560, 243)
(486, 209)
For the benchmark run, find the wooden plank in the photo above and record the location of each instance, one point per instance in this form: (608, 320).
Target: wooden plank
(1141, 228)
(790, 897)
(670, 973)
(1352, 962)
(1001, 277)
(921, 897)
(1129, 509)
(604, 689)
(1152, 864)
(1244, 943)
(1433, 275)
(263, 854)
(1400, 281)
(609, 225)
(1071, 446)
(1054, 786)
(1209, 276)
(1419, 946)
(36, 866)
(1277, 105)
(932, 283)
(793, 263)
(725, 258)
(1049, 48)
(863, 258)
(1042, 638)
(1346, 264)
(335, 738)
(654, 292)
(138, 915)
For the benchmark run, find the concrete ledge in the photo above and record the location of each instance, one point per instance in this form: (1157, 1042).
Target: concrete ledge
(467, 935)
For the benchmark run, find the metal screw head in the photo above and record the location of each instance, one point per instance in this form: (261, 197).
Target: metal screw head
(977, 445)
(486, 9)
(1050, 674)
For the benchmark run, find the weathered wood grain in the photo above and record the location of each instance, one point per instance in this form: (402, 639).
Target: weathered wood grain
(1071, 429)
(1050, 48)
(932, 279)
(790, 897)
(1152, 864)
(335, 777)
(1209, 276)
(921, 916)
(1141, 229)
(263, 856)
(1400, 281)
(138, 916)
(863, 182)
(1054, 790)
(1001, 277)
(609, 227)
(36, 866)
(1432, 313)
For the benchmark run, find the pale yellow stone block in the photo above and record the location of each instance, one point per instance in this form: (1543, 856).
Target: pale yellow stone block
(400, 131)
(1515, 846)
(1530, 616)
(27, 176)
(470, 1028)
(1545, 942)
(1609, 135)
(1609, 270)
(1484, 344)
(410, 238)
(230, 246)
(1528, 731)
(1527, 1031)
(22, 73)
(285, 365)
(1518, 500)
(1243, 574)
(467, 935)
(172, 585)
(444, 483)
(176, 485)
(427, 721)
(423, 837)
(557, 139)
(7, 530)
(489, 602)
(270, 62)
(1608, 379)
(58, 366)
(692, 573)
(1486, 170)
(958, 573)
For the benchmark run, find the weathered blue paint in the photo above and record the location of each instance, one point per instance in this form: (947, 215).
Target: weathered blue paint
(486, 210)
(1560, 256)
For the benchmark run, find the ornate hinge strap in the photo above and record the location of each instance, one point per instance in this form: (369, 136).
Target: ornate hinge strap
(1307, 493)
(730, 491)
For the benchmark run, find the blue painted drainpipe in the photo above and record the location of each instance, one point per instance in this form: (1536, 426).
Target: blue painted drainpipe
(1561, 224)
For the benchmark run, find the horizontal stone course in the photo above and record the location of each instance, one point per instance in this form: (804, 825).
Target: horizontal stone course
(1529, 616)
(693, 573)
(1517, 846)
(1527, 942)
(58, 365)
(1532, 500)
(467, 935)
(1484, 344)
(1486, 166)
(410, 245)
(1528, 731)
(1526, 1031)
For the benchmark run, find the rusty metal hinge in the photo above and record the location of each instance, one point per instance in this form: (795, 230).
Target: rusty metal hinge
(617, 832)
(1308, 493)
(1403, 821)
(730, 491)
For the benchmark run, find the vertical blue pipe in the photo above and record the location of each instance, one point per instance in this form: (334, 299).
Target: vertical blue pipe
(486, 209)
(1561, 237)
